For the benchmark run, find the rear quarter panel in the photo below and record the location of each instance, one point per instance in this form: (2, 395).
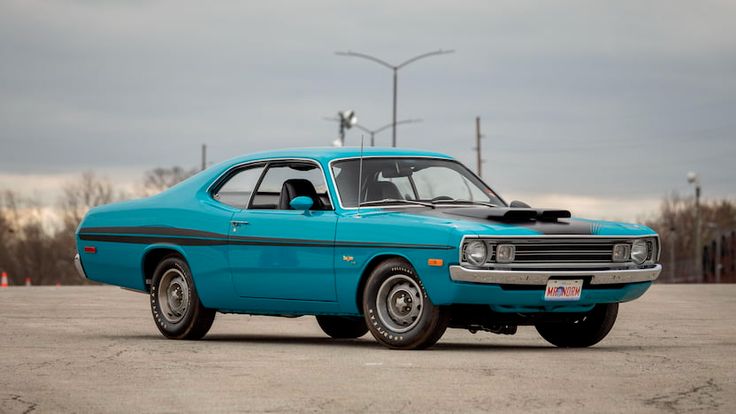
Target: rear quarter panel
(121, 263)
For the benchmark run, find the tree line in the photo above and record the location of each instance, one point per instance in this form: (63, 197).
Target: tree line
(32, 246)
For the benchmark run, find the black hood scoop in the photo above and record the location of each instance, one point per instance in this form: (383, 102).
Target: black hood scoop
(511, 215)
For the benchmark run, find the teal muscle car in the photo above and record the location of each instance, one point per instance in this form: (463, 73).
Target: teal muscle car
(400, 243)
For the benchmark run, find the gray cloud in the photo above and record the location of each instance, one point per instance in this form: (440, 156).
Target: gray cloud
(613, 99)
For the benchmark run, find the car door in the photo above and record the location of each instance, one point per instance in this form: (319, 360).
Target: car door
(279, 253)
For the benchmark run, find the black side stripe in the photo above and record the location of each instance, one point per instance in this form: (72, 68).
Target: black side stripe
(148, 230)
(219, 240)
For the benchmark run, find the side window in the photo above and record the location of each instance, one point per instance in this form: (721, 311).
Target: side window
(303, 179)
(237, 189)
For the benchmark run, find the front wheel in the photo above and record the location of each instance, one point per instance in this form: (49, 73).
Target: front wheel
(175, 305)
(582, 332)
(398, 311)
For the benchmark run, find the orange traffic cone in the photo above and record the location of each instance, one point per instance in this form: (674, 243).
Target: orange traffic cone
(28, 281)
(4, 280)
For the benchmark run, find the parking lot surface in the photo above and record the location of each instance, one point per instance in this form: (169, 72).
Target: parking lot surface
(96, 349)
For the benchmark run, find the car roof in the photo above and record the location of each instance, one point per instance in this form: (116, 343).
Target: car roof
(327, 154)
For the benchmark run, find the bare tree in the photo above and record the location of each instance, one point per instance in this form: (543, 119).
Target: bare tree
(7, 237)
(159, 179)
(27, 243)
(78, 197)
(31, 247)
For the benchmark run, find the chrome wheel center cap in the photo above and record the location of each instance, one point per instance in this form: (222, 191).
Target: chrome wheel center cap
(175, 295)
(402, 303)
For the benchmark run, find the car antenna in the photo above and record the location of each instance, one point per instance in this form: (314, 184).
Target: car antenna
(360, 172)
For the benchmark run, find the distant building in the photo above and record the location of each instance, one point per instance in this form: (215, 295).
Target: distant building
(719, 259)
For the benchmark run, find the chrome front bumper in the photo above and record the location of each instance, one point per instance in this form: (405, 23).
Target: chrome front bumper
(78, 266)
(540, 277)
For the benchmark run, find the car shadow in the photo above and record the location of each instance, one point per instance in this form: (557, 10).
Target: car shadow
(365, 341)
(368, 342)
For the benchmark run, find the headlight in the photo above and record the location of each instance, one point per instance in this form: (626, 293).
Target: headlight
(639, 251)
(476, 252)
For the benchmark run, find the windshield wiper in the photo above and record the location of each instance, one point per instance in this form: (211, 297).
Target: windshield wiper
(464, 202)
(396, 201)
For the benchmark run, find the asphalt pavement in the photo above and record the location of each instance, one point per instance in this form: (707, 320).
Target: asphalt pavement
(96, 349)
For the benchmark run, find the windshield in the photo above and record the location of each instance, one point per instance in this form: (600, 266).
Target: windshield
(427, 180)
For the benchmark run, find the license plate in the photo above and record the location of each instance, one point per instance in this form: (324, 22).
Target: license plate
(563, 289)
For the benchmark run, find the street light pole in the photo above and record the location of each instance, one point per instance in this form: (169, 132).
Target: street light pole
(478, 153)
(373, 132)
(693, 178)
(393, 118)
(672, 237)
(395, 69)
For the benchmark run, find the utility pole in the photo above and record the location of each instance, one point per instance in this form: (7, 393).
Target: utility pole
(478, 136)
(204, 157)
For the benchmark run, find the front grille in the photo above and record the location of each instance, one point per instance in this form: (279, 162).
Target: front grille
(556, 252)
(544, 252)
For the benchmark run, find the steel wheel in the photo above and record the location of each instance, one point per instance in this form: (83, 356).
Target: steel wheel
(399, 303)
(398, 310)
(173, 295)
(175, 304)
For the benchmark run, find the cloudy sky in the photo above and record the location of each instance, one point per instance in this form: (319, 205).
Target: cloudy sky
(600, 107)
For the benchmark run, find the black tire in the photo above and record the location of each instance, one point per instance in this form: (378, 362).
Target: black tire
(340, 327)
(586, 331)
(417, 328)
(176, 319)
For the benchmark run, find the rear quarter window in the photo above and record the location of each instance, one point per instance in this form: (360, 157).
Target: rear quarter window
(237, 190)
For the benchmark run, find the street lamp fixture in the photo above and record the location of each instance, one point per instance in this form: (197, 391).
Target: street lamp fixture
(346, 120)
(373, 132)
(395, 69)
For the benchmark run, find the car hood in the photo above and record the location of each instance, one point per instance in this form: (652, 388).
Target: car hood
(515, 222)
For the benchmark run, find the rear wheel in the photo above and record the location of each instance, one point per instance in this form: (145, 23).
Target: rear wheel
(175, 305)
(339, 327)
(585, 331)
(397, 309)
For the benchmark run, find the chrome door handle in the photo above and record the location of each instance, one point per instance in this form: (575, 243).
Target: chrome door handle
(238, 223)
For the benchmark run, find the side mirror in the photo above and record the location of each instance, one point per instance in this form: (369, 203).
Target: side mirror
(303, 203)
(519, 204)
